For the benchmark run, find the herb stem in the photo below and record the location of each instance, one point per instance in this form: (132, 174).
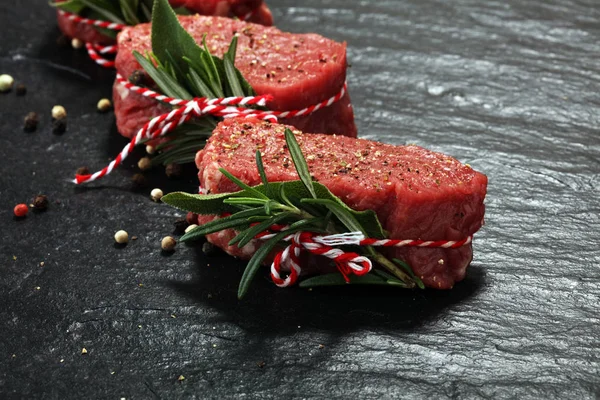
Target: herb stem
(391, 267)
(305, 215)
(294, 210)
(299, 213)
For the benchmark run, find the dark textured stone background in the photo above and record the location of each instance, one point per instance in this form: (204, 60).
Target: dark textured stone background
(510, 87)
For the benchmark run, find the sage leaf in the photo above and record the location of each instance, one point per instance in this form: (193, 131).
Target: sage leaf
(238, 219)
(167, 84)
(205, 204)
(169, 36)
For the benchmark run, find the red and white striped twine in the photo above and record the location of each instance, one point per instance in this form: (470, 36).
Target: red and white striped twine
(113, 26)
(165, 123)
(346, 262)
(227, 107)
(95, 51)
(242, 101)
(249, 112)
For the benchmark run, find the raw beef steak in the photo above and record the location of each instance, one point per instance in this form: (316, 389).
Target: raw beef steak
(299, 70)
(416, 193)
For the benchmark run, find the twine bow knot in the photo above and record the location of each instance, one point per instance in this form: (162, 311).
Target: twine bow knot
(346, 262)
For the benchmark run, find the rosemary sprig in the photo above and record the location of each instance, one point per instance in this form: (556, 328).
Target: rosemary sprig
(302, 205)
(177, 65)
(377, 277)
(183, 69)
(184, 142)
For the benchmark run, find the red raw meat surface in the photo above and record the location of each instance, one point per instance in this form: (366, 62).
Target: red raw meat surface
(225, 8)
(299, 70)
(416, 193)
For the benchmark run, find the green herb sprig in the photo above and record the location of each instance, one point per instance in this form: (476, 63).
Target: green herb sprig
(177, 65)
(302, 205)
(183, 69)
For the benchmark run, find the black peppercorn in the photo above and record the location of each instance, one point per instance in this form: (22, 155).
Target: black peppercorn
(139, 180)
(83, 171)
(137, 77)
(40, 202)
(31, 122)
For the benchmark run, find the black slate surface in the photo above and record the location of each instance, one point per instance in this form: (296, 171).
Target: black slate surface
(510, 87)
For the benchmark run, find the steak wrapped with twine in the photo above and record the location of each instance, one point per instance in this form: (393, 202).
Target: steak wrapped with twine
(398, 205)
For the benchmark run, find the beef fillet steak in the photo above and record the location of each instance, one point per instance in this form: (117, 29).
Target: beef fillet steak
(416, 193)
(299, 70)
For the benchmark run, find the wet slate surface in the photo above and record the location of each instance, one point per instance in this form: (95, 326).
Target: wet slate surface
(509, 87)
